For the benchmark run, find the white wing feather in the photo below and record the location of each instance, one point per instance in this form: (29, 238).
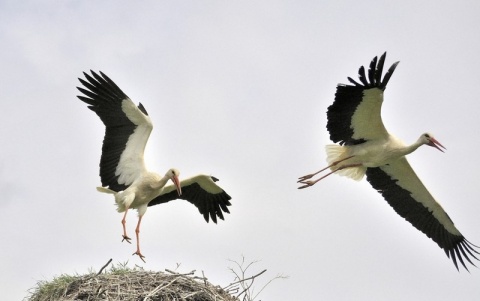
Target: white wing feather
(367, 121)
(131, 165)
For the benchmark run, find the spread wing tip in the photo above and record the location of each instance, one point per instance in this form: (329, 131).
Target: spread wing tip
(463, 250)
(374, 78)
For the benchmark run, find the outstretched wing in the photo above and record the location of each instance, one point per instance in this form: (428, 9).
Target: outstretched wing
(127, 128)
(202, 191)
(403, 190)
(355, 115)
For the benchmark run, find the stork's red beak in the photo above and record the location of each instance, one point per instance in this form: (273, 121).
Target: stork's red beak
(434, 143)
(177, 184)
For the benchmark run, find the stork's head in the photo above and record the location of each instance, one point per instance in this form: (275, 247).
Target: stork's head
(428, 139)
(173, 174)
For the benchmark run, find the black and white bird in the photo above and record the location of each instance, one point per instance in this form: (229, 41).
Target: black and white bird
(122, 167)
(367, 148)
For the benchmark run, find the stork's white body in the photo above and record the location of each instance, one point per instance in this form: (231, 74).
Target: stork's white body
(366, 148)
(373, 153)
(137, 196)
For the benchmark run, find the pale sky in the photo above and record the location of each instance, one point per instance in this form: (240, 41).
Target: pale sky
(238, 90)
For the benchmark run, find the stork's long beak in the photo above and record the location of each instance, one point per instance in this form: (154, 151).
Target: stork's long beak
(434, 143)
(177, 184)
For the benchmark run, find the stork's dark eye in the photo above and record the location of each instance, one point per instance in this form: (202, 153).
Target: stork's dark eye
(427, 136)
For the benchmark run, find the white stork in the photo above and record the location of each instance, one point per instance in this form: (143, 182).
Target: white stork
(122, 168)
(354, 121)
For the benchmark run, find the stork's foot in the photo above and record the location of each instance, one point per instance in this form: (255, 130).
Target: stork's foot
(306, 177)
(139, 255)
(306, 184)
(125, 237)
(301, 179)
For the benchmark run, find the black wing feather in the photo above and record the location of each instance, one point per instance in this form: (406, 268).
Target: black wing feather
(372, 71)
(362, 77)
(208, 204)
(353, 81)
(379, 69)
(389, 74)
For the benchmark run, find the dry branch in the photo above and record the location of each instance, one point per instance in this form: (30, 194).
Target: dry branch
(101, 270)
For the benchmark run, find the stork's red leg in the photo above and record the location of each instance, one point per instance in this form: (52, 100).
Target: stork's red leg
(124, 221)
(137, 232)
(306, 177)
(311, 183)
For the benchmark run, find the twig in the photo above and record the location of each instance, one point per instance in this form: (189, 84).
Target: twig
(276, 277)
(232, 290)
(161, 286)
(204, 278)
(243, 280)
(175, 273)
(101, 270)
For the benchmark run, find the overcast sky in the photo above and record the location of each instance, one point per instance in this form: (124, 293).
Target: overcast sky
(238, 90)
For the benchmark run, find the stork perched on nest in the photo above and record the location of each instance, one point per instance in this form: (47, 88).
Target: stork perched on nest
(122, 168)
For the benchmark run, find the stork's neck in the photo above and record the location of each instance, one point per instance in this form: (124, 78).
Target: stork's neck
(161, 183)
(412, 147)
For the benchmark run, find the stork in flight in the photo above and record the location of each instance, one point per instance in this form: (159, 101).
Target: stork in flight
(355, 122)
(122, 168)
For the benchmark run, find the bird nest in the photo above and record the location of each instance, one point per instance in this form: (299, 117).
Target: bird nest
(131, 284)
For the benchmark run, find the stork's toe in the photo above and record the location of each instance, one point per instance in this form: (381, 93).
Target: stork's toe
(139, 255)
(126, 238)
